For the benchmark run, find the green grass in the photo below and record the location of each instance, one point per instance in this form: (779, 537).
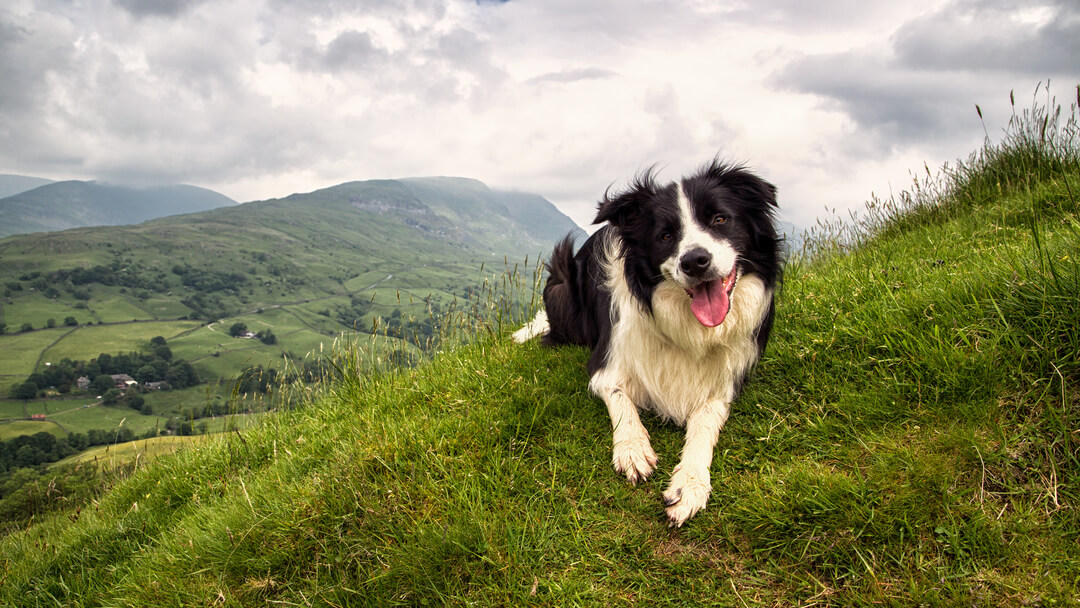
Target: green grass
(15, 428)
(138, 452)
(125, 337)
(910, 438)
(19, 353)
(115, 307)
(36, 309)
(104, 418)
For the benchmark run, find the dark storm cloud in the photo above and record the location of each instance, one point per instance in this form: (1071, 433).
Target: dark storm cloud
(923, 85)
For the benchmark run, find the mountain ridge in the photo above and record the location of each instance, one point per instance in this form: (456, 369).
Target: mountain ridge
(77, 204)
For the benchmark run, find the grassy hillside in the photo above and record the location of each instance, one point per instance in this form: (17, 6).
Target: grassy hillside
(912, 437)
(307, 268)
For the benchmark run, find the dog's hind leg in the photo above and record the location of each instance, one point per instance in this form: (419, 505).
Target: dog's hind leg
(632, 454)
(537, 327)
(690, 483)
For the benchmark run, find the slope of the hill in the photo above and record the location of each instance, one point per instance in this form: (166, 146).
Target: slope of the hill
(910, 438)
(76, 204)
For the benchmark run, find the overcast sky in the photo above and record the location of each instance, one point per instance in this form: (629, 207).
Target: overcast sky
(831, 101)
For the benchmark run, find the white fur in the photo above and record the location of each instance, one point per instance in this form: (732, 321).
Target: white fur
(693, 235)
(537, 327)
(671, 364)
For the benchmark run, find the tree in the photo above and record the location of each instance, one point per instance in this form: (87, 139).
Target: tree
(71, 321)
(237, 329)
(146, 373)
(25, 391)
(105, 362)
(102, 383)
(182, 375)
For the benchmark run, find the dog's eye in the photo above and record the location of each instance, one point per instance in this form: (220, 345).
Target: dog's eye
(718, 219)
(665, 236)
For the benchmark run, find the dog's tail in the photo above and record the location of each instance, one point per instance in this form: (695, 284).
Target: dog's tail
(561, 267)
(561, 271)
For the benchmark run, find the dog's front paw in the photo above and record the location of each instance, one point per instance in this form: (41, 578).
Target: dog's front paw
(686, 495)
(634, 458)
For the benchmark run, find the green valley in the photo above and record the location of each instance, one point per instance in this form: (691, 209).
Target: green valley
(381, 257)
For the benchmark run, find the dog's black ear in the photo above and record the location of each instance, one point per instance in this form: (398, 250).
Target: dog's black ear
(742, 182)
(623, 208)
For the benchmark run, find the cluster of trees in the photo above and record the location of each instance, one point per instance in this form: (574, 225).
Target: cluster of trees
(33, 491)
(121, 272)
(421, 332)
(154, 365)
(209, 281)
(42, 448)
(124, 273)
(266, 336)
(207, 306)
(353, 314)
(264, 380)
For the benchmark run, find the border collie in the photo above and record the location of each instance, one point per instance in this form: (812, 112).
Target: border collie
(675, 298)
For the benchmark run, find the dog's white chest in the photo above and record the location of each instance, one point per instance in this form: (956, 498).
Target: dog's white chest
(670, 363)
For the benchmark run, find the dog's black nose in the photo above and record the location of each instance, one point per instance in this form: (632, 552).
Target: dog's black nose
(695, 262)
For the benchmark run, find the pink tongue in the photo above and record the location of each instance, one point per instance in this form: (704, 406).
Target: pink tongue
(710, 304)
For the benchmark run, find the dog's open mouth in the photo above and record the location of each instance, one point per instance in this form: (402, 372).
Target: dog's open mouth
(711, 300)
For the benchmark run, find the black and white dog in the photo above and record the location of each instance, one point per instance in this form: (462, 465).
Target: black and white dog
(675, 297)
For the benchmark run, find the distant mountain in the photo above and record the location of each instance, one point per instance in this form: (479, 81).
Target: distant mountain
(14, 184)
(443, 216)
(330, 243)
(75, 204)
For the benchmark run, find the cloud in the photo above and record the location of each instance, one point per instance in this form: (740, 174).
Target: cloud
(572, 75)
(1031, 39)
(922, 83)
(261, 98)
(156, 8)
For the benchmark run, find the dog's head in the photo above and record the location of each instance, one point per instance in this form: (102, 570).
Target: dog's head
(702, 233)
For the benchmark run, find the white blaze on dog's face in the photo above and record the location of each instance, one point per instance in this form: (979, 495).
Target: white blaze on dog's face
(703, 262)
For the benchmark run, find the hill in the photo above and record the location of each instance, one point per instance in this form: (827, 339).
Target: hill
(306, 268)
(909, 439)
(14, 184)
(74, 204)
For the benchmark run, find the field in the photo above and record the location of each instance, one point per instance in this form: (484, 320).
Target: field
(122, 337)
(14, 428)
(138, 452)
(19, 354)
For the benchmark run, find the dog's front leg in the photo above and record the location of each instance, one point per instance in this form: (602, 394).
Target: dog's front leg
(632, 454)
(690, 484)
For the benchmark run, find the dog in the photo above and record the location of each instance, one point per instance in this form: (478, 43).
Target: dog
(675, 297)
